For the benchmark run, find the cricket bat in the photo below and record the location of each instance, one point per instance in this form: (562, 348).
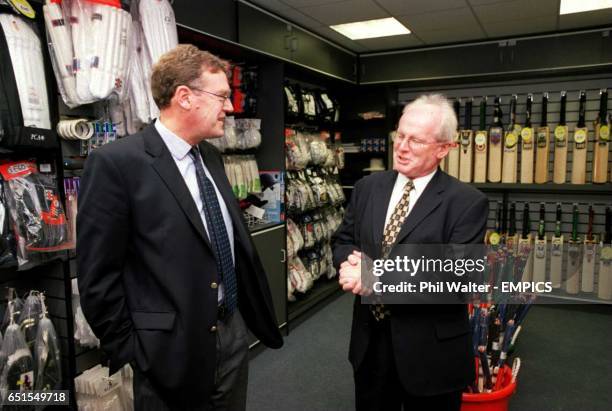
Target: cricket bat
(604, 290)
(556, 251)
(493, 237)
(602, 140)
(496, 134)
(574, 253)
(579, 146)
(480, 145)
(510, 158)
(512, 236)
(466, 149)
(588, 257)
(527, 145)
(453, 153)
(542, 145)
(539, 250)
(561, 137)
(524, 245)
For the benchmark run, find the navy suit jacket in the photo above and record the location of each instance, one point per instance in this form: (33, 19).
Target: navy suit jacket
(431, 343)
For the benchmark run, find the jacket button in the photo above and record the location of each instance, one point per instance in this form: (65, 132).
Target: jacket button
(213, 285)
(213, 329)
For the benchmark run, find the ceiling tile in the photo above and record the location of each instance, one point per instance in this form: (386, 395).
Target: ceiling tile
(404, 7)
(520, 27)
(589, 19)
(346, 12)
(439, 20)
(339, 39)
(481, 2)
(391, 42)
(300, 18)
(305, 3)
(517, 9)
(450, 35)
(271, 5)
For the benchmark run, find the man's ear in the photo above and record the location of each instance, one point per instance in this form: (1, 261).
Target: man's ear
(183, 97)
(445, 149)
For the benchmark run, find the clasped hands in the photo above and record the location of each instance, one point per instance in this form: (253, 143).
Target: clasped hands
(350, 278)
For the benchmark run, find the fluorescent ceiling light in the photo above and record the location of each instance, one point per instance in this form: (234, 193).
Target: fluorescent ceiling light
(579, 6)
(371, 29)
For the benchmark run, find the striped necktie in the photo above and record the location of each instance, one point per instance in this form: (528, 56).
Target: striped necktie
(390, 234)
(217, 234)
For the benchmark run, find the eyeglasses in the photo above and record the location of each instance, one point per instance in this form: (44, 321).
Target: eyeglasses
(415, 143)
(220, 97)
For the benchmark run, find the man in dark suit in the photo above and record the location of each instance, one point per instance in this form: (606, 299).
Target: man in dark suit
(415, 356)
(168, 274)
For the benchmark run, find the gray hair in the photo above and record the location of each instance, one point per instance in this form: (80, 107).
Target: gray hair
(448, 123)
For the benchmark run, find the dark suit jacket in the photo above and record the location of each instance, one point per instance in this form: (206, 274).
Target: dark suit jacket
(431, 343)
(146, 265)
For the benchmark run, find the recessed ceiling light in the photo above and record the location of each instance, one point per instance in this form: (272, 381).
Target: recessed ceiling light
(579, 6)
(371, 28)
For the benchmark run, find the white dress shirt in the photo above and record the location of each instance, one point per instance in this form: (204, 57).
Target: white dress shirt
(179, 149)
(398, 190)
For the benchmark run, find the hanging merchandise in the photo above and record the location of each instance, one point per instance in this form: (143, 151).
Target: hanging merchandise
(35, 209)
(293, 103)
(327, 108)
(47, 354)
(159, 27)
(26, 58)
(13, 309)
(61, 49)
(243, 175)
(24, 104)
(96, 390)
(138, 88)
(7, 237)
(30, 317)
(295, 157)
(71, 188)
(83, 333)
(18, 372)
(248, 132)
(309, 104)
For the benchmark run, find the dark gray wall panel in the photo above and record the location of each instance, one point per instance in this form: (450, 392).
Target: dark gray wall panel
(214, 17)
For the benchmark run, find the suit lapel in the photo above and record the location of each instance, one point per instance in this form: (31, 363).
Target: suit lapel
(428, 201)
(381, 204)
(165, 167)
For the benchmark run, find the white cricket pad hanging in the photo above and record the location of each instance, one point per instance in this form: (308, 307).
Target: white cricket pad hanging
(25, 50)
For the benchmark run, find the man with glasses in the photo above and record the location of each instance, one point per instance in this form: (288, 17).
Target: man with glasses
(413, 356)
(168, 275)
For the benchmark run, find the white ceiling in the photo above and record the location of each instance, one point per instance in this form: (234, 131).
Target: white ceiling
(434, 22)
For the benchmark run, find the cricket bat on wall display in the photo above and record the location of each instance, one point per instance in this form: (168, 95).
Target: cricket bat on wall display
(579, 154)
(556, 251)
(574, 254)
(496, 134)
(524, 244)
(466, 148)
(510, 146)
(512, 236)
(453, 154)
(561, 138)
(604, 290)
(588, 257)
(480, 146)
(539, 250)
(601, 148)
(527, 145)
(542, 145)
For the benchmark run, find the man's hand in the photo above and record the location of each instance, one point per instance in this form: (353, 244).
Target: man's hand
(350, 275)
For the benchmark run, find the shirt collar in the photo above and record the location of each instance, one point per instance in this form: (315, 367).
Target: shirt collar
(178, 147)
(419, 183)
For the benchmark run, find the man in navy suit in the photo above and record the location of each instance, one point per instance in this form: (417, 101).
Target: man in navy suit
(412, 356)
(168, 275)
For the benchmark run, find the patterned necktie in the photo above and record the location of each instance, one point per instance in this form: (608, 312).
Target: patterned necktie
(217, 234)
(390, 234)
